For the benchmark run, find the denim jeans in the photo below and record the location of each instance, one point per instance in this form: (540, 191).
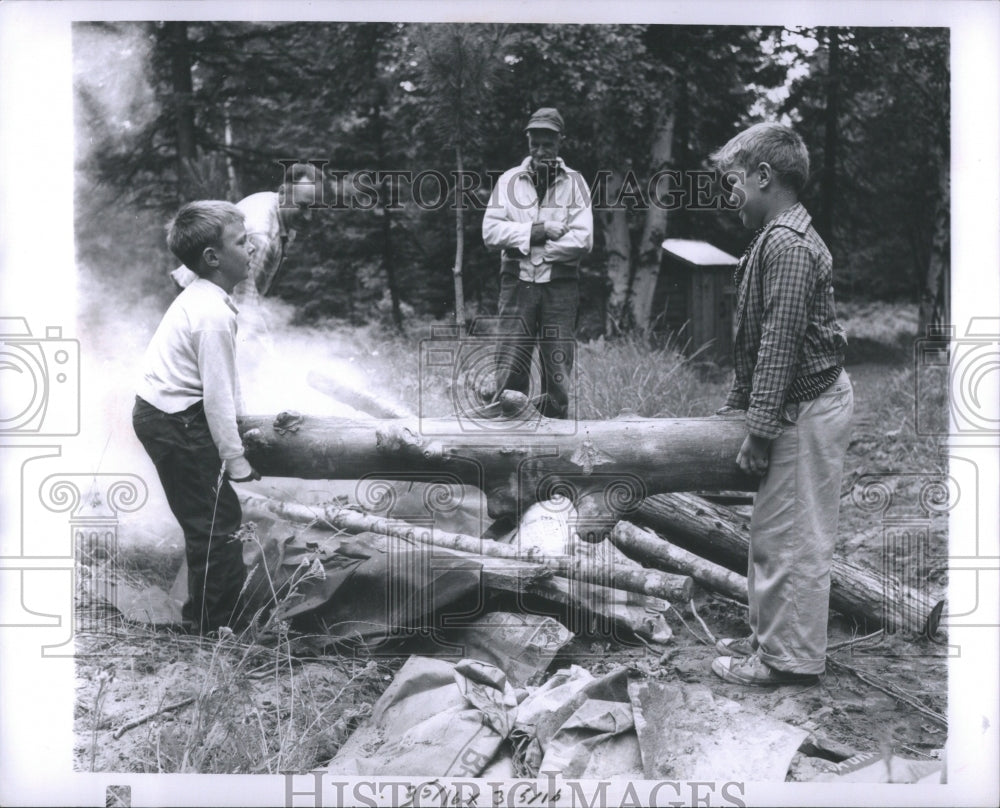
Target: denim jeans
(542, 315)
(204, 504)
(793, 531)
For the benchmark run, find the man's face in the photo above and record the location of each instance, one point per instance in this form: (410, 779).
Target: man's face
(543, 145)
(234, 252)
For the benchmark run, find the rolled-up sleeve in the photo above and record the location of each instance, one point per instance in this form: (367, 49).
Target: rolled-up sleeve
(788, 284)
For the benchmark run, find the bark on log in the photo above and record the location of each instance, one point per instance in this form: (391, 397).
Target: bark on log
(657, 584)
(515, 462)
(724, 537)
(648, 547)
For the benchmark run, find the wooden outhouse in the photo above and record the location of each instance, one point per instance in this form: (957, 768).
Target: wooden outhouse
(694, 297)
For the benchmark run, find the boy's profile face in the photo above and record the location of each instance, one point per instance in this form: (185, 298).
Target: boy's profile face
(747, 194)
(233, 254)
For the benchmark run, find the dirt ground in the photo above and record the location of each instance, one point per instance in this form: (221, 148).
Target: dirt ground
(241, 707)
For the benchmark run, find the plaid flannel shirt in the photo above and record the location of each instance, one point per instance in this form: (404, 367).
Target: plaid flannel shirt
(789, 345)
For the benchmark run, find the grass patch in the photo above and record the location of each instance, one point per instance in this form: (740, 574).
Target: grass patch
(884, 323)
(879, 332)
(252, 702)
(630, 375)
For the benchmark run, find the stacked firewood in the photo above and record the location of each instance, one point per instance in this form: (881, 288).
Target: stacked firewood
(628, 480)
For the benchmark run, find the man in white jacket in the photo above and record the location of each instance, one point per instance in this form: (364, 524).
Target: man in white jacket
(540, 216)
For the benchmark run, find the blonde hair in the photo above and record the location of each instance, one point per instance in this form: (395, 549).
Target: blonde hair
(773, 143)
(198, 225)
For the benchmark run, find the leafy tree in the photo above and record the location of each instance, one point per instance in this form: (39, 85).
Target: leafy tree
(882, 188)
(459, 65)
(209, 109)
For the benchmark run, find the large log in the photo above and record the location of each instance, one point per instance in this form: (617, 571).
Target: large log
(719, 534)
(648, 547)
(655, 583)
(514, 461)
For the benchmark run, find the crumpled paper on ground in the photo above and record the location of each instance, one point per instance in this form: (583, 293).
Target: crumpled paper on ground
(437, 719)
(687, 732)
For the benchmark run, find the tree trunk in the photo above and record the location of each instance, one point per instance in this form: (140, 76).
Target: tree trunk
(183, 101)
(385, 197)
(653, 583)
(722, 536)
(831, 135)
(618, 249)
(935, 309)
(515, 462)
(654, 230)
(646, 546)
(235, 191)
(459, 240)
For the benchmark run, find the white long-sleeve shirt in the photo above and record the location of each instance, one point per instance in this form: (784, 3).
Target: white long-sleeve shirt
(514, 207)
(192, 357)
(267, 233)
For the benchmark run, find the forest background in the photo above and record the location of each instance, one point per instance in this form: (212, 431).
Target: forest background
(170, 111)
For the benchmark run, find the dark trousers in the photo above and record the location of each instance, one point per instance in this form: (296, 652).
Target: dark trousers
(205, 506)
(542, 315)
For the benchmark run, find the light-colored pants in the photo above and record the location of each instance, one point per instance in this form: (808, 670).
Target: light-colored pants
(793, 531)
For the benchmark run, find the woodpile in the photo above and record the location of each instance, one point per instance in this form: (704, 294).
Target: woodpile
(627, 477)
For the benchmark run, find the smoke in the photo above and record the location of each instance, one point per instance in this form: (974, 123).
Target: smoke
(276, 359)
(115, 327)
(123, 291)
(114, 97)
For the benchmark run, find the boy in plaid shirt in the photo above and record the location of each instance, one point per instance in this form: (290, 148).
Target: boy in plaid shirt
(798, 402)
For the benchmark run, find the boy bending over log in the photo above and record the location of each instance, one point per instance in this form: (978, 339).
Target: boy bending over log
(798, 402)
(185, 410)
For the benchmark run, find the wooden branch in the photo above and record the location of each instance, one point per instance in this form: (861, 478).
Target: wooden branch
(648, 582)
(135, 722)
(718, 534)
(895, 692)
(648, 547)
(639, 614)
